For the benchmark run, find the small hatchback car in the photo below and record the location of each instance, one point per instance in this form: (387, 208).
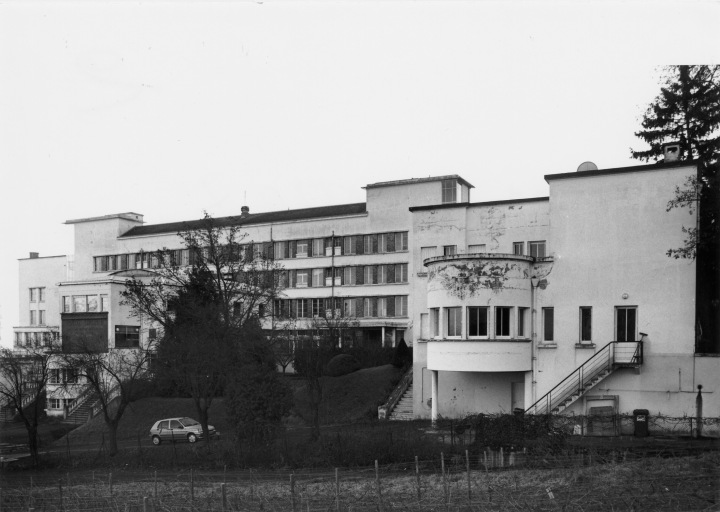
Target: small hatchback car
(178, 429)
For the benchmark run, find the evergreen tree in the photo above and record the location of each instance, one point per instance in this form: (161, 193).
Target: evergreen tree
(687, 111)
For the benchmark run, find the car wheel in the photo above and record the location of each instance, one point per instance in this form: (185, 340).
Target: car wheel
(192, 438)
(156, 440)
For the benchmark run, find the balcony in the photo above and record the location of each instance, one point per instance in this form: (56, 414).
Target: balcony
(512, 355)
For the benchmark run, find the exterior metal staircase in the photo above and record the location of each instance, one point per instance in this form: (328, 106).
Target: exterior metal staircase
(614, 355)
(82, 408)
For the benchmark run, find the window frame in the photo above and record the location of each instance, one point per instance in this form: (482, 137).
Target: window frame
(521, 323)
(548, 327)
(472, 317)
(519, 248)
(582, 327)
(449, 250)
(535, 245)
(434, 322)
(453, 322)
(502, 322)
(449, 190)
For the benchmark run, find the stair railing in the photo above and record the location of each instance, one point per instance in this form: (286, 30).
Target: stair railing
(385, 409)
(87, 393)
(615, 353)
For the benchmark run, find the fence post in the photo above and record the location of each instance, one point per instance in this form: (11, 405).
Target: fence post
(110, 482)
(224, 496)
(155, 484)
(502, 458)
(145, 508)
(292, 492)
(377, 484)
(192, 487)
(337, 490)
(444, 479)
(60, 493)
(467, 470)
(417, 477)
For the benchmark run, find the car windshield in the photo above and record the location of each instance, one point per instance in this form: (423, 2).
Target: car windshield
(189, 422)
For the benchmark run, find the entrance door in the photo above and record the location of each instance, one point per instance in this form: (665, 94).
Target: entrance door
(626, 323)
(518, 395)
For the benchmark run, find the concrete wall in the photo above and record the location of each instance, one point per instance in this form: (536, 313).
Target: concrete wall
(42, 272)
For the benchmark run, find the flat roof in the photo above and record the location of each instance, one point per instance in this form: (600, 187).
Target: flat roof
(483, 203)
(618, 170)
(252, 218)
(419, 180)
(126, 215)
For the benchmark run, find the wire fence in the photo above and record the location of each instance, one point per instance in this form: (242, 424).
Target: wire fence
(468, 482)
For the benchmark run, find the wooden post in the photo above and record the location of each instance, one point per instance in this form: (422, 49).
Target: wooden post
(377, 483)
(252, 486)
(337, 490)
(485, 461)
(145, 507)
(60, 491)
(225, 474)
(110, 482)
(467, 470)
(502, 458)
(292, 492)
(155, 484)
(192, 486)
(224, 497)
(417, 478)
(67, 475)
(444, 479)
(93, 483)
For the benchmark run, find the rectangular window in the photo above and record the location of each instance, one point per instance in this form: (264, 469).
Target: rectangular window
(626, 323)
(33, 317)
(585, 323)
(301, 250)
(518, 248)
(370, 244)
(92, 304)
(449, 191)
(383, 306)
(33, 294)
(104, 304)
(383, 242)
(502, 321)
(537, 249)
(548, 318)
(318, 307)
(401, 241)
(449, 250)
(318, 277)
(54, 403)
(427, 252)
(41, 317)
(476, 249)
(127, 336)
(401, 305)
(54, 376)
(454, 322)
(477, 321)
(302, 278)
(370, 305)
(349, 307)
(79, 304)
(435, 322)
(41, 294)
(67, 305)
(318, 246)
(349, 245)
(370, 274)
(401, 273)
(522, 323)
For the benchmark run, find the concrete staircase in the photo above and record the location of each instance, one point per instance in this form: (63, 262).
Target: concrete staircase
(82, 413)
(403, 410)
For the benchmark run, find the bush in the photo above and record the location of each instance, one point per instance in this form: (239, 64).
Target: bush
(257, 399)
(403, 356)
(342, 364)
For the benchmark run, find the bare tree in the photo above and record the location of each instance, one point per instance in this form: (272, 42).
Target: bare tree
(204, 299)
(114, 379)
(23, 375)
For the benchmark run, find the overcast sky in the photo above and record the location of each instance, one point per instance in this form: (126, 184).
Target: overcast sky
(171, 108)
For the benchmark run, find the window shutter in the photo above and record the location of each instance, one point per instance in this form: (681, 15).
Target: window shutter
(292, 274)
(374, 273)
(293, 249)
(390, 306)
(390, 270)
(359, 275)
(390, 242)
(374, 239)
(310, 248)
(359, 245)
(267, 250)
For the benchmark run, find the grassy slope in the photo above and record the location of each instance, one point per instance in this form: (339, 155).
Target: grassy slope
(348, 398)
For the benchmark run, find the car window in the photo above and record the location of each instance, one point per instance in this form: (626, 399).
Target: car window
(175, 424)
(163, 424)
(189, 422)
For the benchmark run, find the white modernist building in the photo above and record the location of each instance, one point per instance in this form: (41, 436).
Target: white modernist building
(553, 304)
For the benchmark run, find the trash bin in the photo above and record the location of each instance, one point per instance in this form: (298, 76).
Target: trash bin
(640, 420)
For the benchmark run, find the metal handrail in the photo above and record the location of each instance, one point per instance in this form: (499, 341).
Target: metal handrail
(86, 394)
(575, 382)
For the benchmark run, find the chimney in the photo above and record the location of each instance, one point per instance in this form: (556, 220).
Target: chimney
(244, 212)
(671, 151)
(34, 255)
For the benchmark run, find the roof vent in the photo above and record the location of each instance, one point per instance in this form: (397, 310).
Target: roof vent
(587, 166)
(671, 151)
(34, 255)
(244, 212)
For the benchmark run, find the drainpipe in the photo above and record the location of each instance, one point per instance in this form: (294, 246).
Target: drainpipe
(533, 320)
